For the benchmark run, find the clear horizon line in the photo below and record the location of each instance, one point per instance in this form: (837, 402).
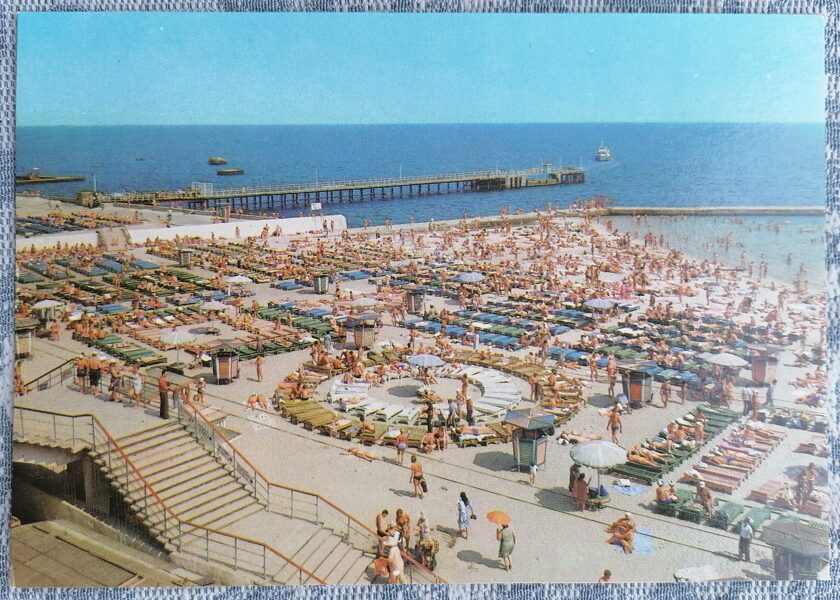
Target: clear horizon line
(373, 124)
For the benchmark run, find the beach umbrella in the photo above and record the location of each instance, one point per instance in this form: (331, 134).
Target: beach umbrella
(471, 277)
(598, 304)
(598, 455)
(237, 280)
(45, 304)
(177, 339)
(426, 360)
(725, 359)
(498, 517)
(365, 302)
(214, 305)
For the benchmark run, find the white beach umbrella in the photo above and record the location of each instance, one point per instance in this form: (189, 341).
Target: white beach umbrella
(236, 280)
(471, 277)
(365, 302)
(214, 305)
(426, 360)
(599, 304)
(725, 359)
(177, 339)
(598, 455)
(45, 304)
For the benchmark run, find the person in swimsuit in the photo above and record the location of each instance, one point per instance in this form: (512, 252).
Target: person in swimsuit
(614, 424)
(402, 444)
(417, 477)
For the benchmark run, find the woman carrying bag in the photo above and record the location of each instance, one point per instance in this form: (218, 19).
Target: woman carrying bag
(465, 515)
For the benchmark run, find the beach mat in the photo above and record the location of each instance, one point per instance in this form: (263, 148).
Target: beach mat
(642, 543)
(632, 490)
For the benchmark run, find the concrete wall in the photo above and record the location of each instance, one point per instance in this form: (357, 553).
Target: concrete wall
(139, 235)
(246, 228)
(51, 239)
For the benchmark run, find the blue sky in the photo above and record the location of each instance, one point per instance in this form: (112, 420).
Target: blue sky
(176, 68)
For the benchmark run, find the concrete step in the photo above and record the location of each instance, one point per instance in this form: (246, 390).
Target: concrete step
(327, 556)
(359, 572)
(160, 470)
(199, 485)
(138, 436)
(225, 505)
(224, 522)
(204, 496)
(160, 440)
(310, 547)
(161, 486)
(173, 449)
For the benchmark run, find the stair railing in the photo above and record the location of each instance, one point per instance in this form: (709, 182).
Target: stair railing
(72, 431)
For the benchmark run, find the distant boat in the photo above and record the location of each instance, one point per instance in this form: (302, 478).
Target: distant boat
(602, 154)
(139, 158)
(230, 171)
(216, 160)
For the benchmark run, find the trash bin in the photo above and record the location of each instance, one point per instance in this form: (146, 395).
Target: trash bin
(226, 365)
(637, 387)
(322, 284)
(185, 257)
(414, 301)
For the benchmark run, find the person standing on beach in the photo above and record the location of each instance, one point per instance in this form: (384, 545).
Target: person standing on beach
(768, 396)
(258, 363)
(163, 390)
(465, 514)
(745, 535)
(614, 424)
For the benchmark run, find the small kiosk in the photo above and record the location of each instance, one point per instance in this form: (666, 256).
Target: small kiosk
(800, 551)
(532, 429)
(24, 330)
(225, 364)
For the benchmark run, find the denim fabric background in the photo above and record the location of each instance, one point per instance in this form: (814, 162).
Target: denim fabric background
(829, 9)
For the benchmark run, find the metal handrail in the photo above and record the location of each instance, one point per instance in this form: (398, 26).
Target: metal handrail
(96, 425)
(345, 183)
(48, 374)
(318, 498)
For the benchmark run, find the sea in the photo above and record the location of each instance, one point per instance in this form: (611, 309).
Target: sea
(654, 164)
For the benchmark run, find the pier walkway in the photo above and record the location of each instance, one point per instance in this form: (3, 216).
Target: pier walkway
(205, 196)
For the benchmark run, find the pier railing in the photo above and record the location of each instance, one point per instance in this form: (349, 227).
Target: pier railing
(340, 184)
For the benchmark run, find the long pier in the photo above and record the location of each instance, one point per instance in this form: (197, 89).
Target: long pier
(203, 196)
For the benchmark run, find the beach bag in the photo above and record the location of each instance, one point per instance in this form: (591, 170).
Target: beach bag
(423, 486)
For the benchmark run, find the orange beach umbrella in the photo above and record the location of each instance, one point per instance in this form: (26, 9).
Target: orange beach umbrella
(498, 517)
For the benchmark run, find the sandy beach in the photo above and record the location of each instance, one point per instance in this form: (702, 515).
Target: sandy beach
(526, 320)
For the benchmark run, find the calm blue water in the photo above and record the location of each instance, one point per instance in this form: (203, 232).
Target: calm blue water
(654, 164)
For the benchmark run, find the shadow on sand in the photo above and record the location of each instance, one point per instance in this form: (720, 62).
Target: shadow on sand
(472, 556)
(495, 461)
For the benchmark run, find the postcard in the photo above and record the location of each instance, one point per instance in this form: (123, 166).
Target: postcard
(360, 298)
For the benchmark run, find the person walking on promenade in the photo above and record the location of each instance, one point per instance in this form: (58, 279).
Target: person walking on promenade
(768, 396)
(258, 363)
(402, 444)
(507, 542)
(163, 390)
(417, 477)
(465, 514)
(614, 424)
(199, 390)
(745, 535)
(665, 393)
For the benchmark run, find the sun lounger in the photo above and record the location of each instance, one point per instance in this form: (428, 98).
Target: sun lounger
(388, 413)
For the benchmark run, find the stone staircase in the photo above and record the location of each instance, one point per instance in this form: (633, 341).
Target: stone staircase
(203, 490)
